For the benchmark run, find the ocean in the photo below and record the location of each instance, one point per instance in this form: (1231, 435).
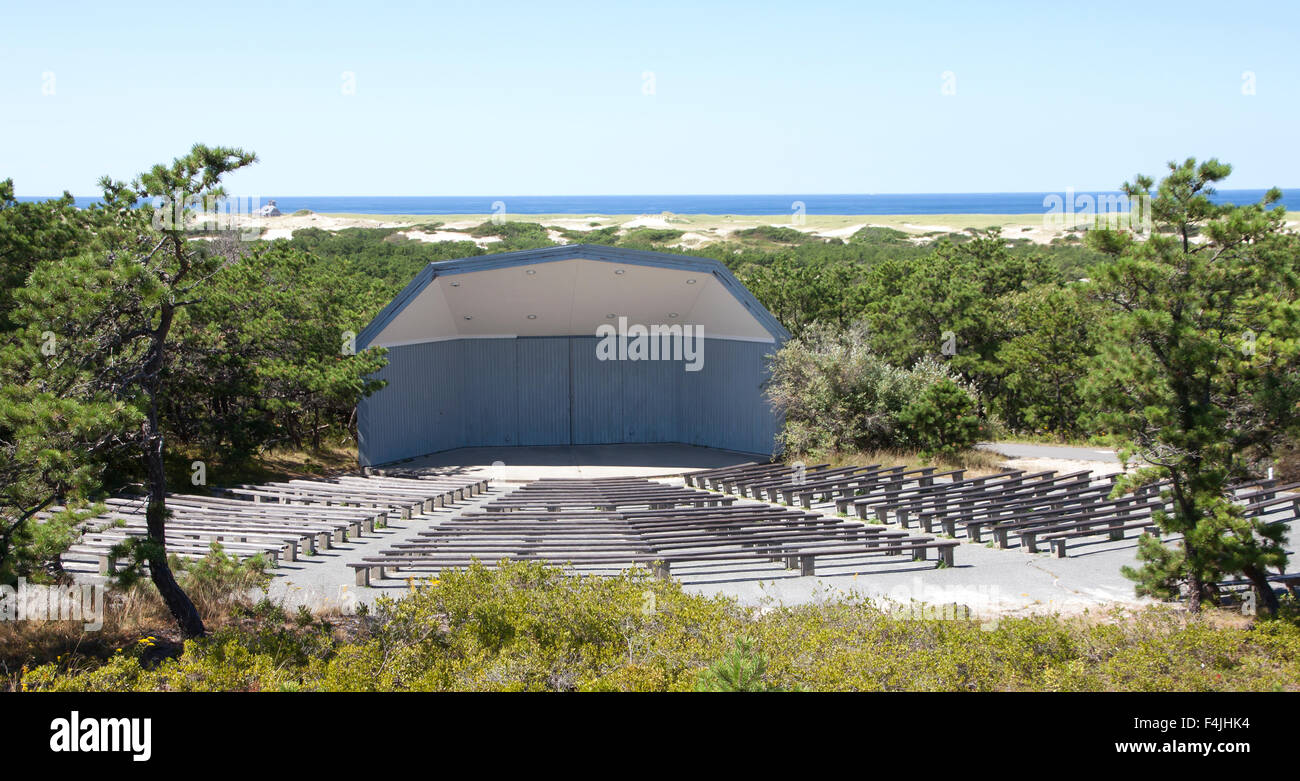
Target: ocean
(917, 203)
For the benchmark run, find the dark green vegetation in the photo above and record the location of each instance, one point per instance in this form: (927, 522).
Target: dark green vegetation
(1182, 347)
(1197, 371)
(118, 335)
(530, 627)
(128, 343)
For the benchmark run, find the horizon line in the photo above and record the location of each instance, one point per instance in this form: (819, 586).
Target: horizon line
(716, 195)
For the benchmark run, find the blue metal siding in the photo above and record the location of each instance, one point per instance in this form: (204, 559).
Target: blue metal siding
(597, 388)
(542, 377)
(418, 411)
(554, 391)
(650, 400)
(489, 397)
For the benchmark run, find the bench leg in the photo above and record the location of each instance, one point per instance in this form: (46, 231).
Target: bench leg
(661, 570)
(919, 554)
(901, 516)
(946, 554)
(1058, 548)
(806, 566)
(363, 576)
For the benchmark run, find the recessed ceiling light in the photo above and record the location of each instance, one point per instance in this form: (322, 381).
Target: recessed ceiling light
(455, 284)
(672, 314)
(467, 317)
(618, 271)
(690, 282)
(609, 317)
(532, 317)
(531, 271)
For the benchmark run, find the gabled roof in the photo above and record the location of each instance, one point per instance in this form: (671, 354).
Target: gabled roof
(506, 298)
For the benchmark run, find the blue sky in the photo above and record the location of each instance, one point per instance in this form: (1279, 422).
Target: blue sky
(506, 98)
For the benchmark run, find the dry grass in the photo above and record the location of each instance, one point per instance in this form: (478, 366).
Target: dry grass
(273, 465)
(129, 619)
(1287, 467)
(136, 618)
(329, 460)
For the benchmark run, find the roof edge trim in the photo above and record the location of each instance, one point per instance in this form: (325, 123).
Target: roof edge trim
(570, 252)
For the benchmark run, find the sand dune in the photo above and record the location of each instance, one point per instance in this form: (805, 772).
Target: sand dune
(699, 230)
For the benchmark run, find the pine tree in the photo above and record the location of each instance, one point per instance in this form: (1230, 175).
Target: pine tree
(742, 669)
(110, 313)
(1197, 371)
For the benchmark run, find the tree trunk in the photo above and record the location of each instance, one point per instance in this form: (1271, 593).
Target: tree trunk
(178, 602)
(1194, 589)
(1263, 589)
(1195, 585)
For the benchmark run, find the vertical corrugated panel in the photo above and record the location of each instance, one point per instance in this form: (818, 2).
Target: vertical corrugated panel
(418, 411)
(650, 400)
(716, 406)
(687, 403)
(724, 404)
(554, 391)
(597, 395)
(542, 375)
(489, 400)
(751, 425)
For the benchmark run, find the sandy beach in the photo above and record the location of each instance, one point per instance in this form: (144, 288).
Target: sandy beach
(698, 230)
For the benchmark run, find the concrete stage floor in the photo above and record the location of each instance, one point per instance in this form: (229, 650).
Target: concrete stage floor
(522, 464)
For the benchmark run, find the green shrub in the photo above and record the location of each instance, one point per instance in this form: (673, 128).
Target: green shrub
(775, 234)
(742, 670)
(650, 236)
(941, 421)
(838, 395)
(514, 235)
(530, 627)
(881, 236)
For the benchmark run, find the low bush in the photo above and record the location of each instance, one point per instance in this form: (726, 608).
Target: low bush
(941, 421)
(840, 396)
(533, 627)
